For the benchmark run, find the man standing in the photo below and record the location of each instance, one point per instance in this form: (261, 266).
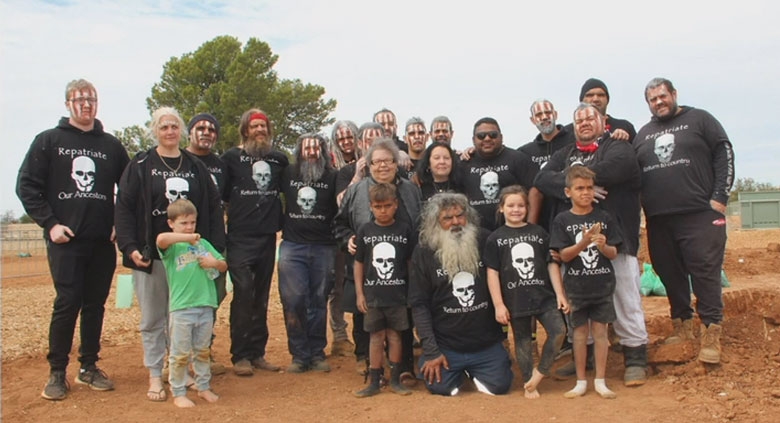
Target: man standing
(416, 138)
(595, 92)
(306, 255)
(252, 189)
(203, 131)
(451, 304)
(66, 184)
(441, 130)
(551, 138)
(491, 168)
(617, 178)
(387, 119)
(687, 167)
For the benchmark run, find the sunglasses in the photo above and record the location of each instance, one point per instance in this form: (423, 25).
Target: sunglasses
(492, 134)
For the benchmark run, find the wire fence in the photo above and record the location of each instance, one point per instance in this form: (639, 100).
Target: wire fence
(23, 251)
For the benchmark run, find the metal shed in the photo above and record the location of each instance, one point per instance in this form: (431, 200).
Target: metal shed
(760, 209)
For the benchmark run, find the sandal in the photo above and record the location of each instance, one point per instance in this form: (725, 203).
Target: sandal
(157, 396)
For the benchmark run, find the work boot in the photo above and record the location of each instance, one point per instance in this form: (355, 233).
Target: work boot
(217, 368)
(373, 387)
(395, 380)
(682, 330)
(262, 364)
(635, 359)
(243, 368)
(710, 344)
(570, 369)
(342, 348)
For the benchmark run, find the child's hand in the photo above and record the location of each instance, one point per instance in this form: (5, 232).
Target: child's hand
(563, 304)
(600, 240)
(361, 304)
(502, 314)
(351, 245)
(592, 231)
(208, 261)
(195, 239)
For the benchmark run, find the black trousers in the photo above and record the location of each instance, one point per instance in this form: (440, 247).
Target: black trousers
(690, 244)
(82, 273)
(251, 268)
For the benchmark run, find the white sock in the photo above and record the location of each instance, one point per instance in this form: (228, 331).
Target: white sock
(601, 388)
(579, 389)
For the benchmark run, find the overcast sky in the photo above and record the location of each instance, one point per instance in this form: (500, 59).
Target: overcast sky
(421, 58)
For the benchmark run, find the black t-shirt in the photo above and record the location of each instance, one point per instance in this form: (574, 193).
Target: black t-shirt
(252, 189)
(540, 150)
(463, 317)
(590, 275)
(483, 178)
(217, 169)
(309, 208)
(521, 255)
(385, 252)
(344, 177)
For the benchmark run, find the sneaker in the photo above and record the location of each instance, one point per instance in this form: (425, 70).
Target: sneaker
(262, 364)
(57, 388)
(95, 378)
(296, 367)
(320, 366)
(243, 368)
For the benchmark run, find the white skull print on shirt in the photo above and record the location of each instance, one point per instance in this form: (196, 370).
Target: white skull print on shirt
(664, 148)
(261, 174)
(523, 260)
(488, 184)
(590, 255)
(463, 286)
(307, 199)
(176, 188)
(83, 173)
(383, 259)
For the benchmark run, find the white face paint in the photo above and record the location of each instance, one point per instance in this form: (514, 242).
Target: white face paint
(523, 260)
(82, 105)
(83, 173)
(261, 173)
(590, 255)
(664, 148)
(307, 198)
(176, 188)
(383, 259)
(488, 184)
(203, 135)
(463, 288)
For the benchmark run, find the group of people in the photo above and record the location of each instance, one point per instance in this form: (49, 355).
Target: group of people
(405, 235)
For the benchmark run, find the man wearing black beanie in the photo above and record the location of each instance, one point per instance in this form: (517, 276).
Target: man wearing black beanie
(595, 92)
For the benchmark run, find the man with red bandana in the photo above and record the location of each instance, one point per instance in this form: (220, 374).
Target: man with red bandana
(687, 164)
(254, 215)
(66, 184)
(617, 191)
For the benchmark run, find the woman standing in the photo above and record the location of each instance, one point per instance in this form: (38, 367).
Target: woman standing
(152, 181)
(436, 171)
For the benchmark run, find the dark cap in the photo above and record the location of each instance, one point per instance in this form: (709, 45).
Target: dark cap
(591, 84)
(203, 116)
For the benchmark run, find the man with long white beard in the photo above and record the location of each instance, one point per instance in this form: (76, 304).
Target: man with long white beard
(307, 252)
(254, 170)
(451, 304)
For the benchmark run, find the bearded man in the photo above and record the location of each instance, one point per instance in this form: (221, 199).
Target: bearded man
(451, 304)
(254, 216)
(307, 252)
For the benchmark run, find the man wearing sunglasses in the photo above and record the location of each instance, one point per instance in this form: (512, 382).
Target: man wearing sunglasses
(491, 168)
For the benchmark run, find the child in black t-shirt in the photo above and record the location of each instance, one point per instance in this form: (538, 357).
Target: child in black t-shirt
(586, 239)
(384, 248)
(524, 283)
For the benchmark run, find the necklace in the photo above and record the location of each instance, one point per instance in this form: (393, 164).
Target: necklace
(178, 166)
(441, 186)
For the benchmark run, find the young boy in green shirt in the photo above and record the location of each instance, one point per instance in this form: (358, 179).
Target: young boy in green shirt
(191, 264)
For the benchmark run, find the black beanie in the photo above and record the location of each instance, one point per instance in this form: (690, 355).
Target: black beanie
(203, 116)
(591, 84)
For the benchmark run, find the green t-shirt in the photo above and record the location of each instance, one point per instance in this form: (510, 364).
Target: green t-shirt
(189, 284)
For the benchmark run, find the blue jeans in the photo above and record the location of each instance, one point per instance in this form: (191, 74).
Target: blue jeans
(490, 369)
(305, 278)
(190, 330)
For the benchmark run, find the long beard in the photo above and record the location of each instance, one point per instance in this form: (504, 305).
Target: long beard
(311, 172)
(457, 251)
(257, 149)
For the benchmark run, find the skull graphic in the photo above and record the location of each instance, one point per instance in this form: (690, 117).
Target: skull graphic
(176, 188)
(261, 173)
(83, 173)
(488, 184)
(307, 198)
(590, 255)
(383, 259)
(664, 148)
(463, 288)
(523, 260)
